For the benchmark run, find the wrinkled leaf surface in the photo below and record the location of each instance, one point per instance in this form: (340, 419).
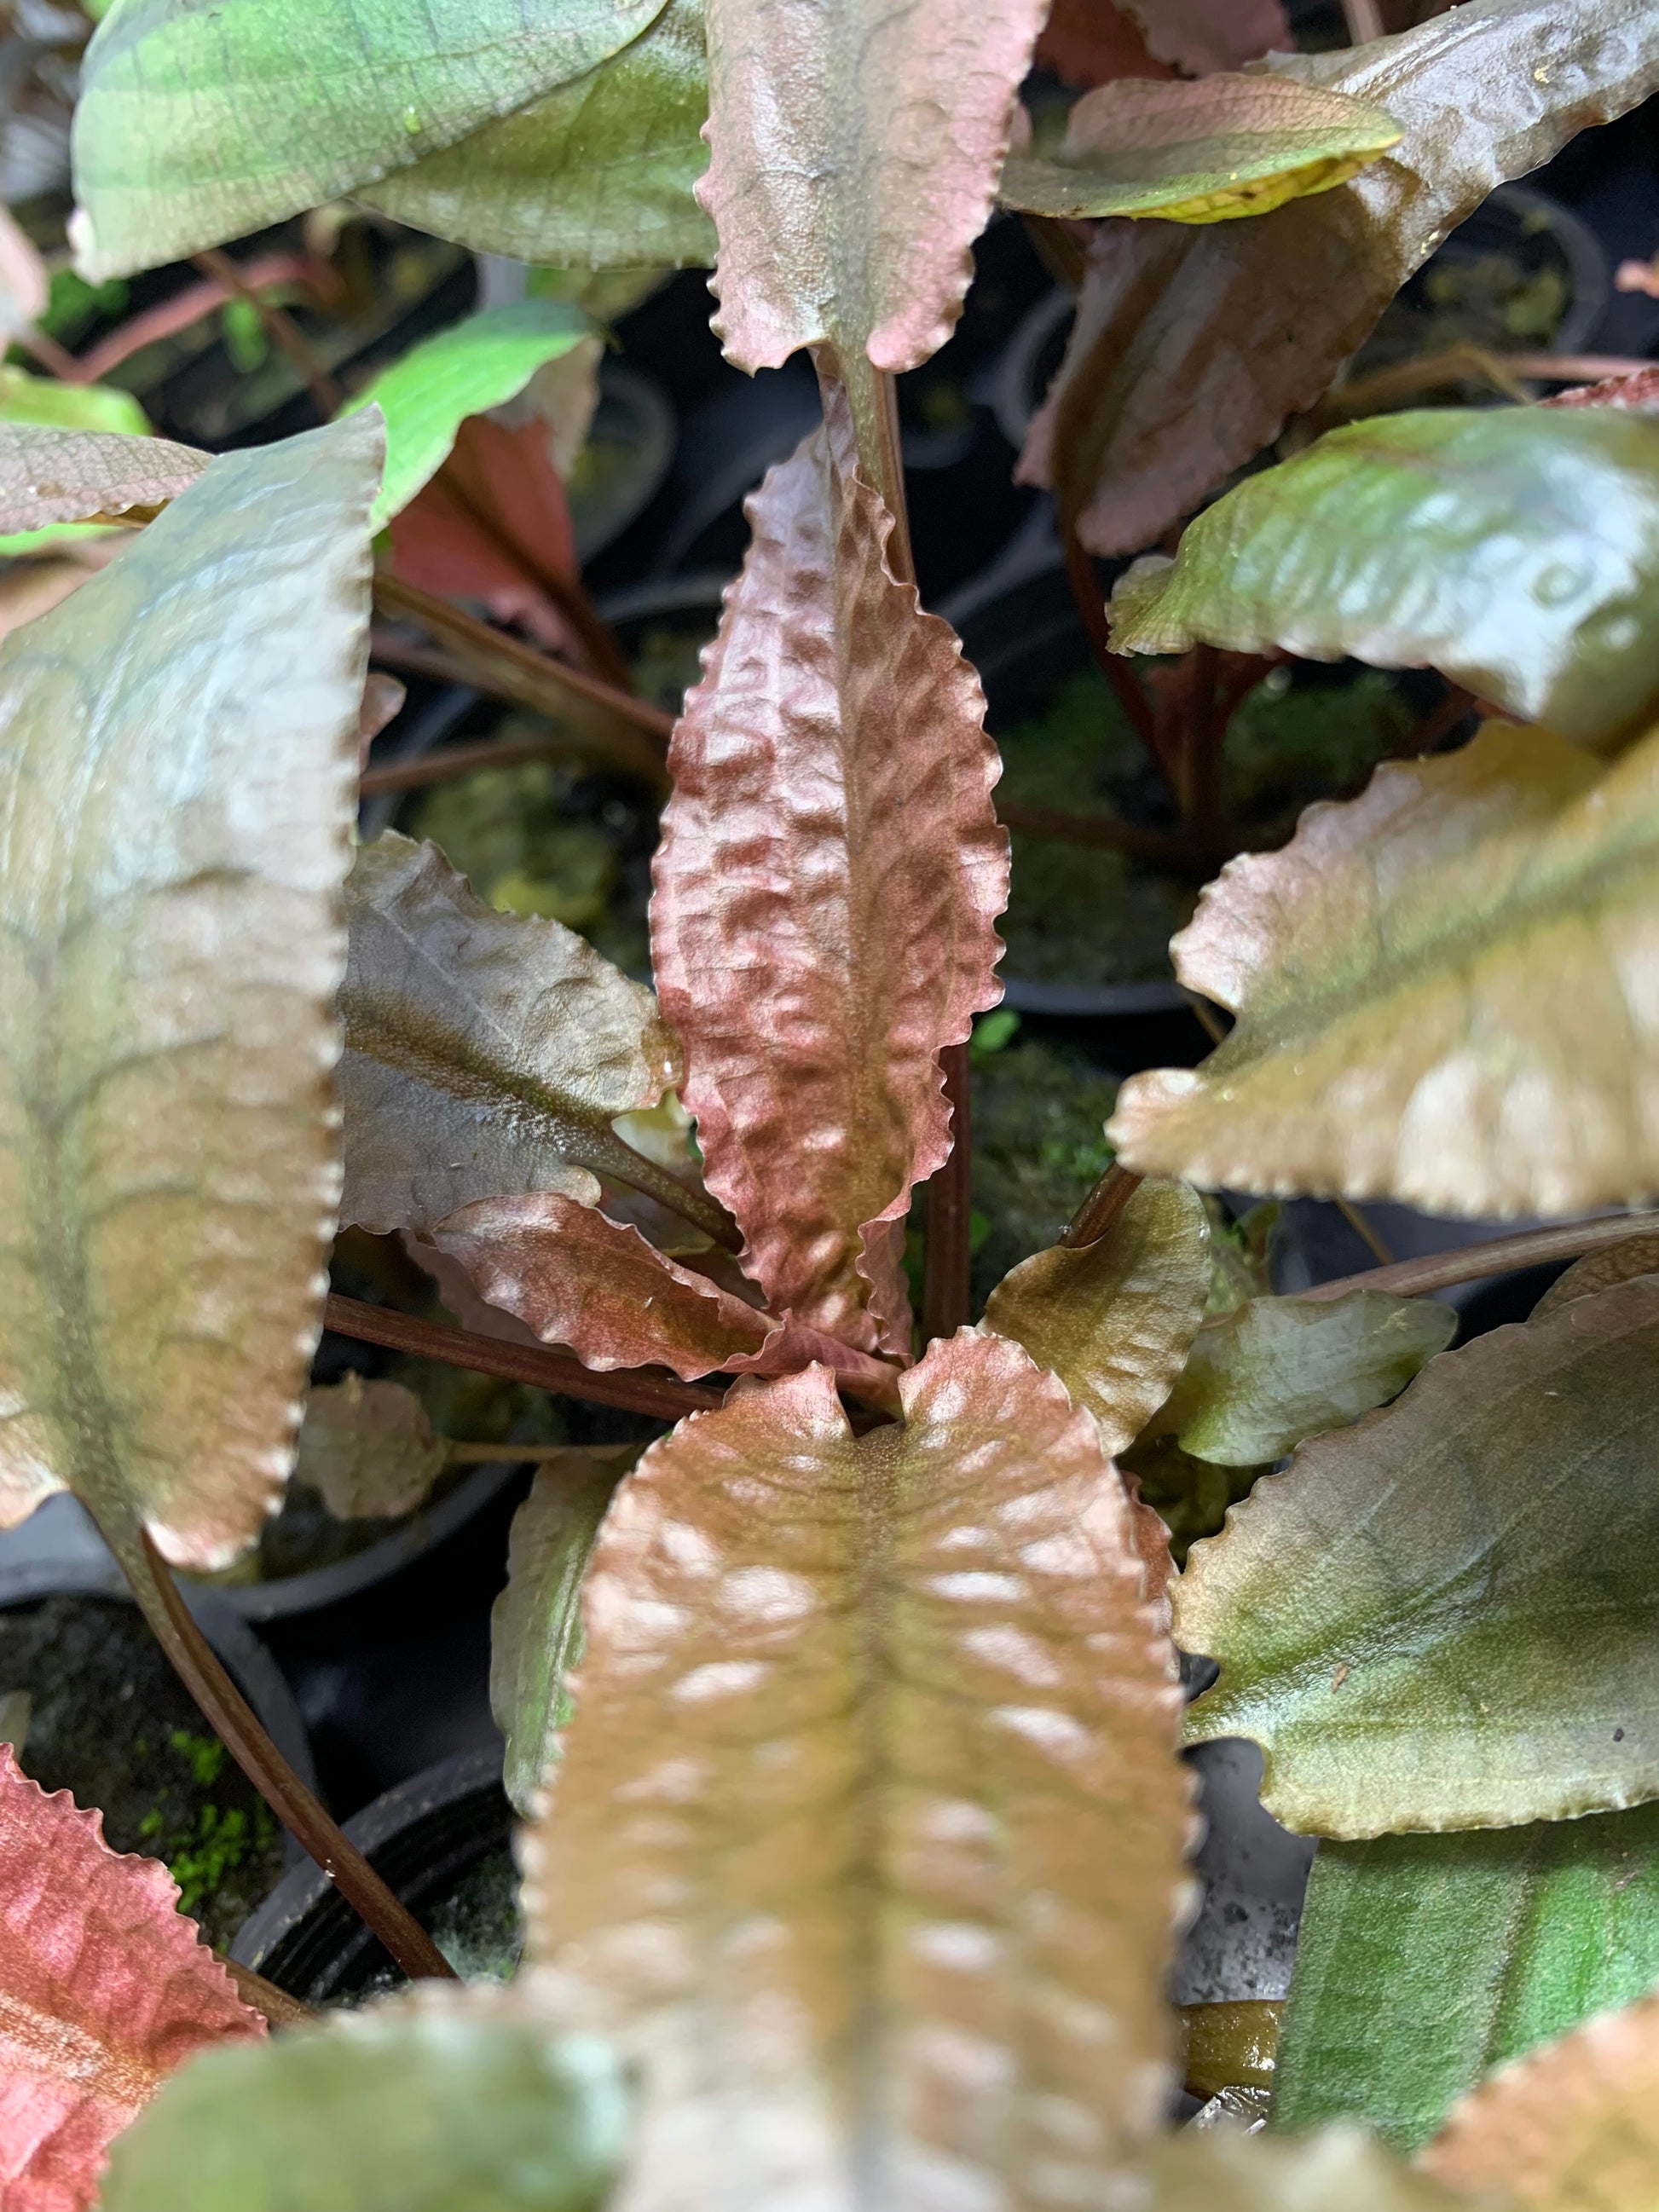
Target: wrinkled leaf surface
(368, 1448)
(50, 475)
(1599, 1271)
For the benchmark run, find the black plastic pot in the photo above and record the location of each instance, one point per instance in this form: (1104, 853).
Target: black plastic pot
(422, 1836)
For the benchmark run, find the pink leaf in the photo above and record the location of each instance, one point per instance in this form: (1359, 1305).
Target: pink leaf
(826, 887)
(1090, 42)
(1202, 35)
(105, 1988)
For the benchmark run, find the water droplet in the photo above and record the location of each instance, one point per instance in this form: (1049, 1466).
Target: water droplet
(1561, 580)
(412, 121)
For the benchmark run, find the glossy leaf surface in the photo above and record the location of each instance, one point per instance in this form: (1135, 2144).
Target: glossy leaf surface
(855, 148)
(1338, 2170)
(1425, 1961)
(49, 475)
(867, 1837)
(1229, 146)
(178, 785)
(535, 1628)
(596, 174)
(441, 2100)
(1575, 2128)
(1482, 1549)
(1516, 550)
(368, 1448)
(486, 1052)
(1116, 1319)
(477, 364)
(1392, 1039)
(198, 125)
(1192, 346)
(105, 1988)
(1275, 1371)
(825, 892)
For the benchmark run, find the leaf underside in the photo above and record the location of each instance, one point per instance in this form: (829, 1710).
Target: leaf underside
(49, 475)
(368, 1448)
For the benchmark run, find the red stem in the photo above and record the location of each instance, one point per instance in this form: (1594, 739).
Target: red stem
(1470, 1263)
(945, 1295)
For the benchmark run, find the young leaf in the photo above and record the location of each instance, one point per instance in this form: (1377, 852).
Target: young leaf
(1640, 390)
(104, 1987)
(195, 126)
(368, 1448)
(826, 891)
(1192, 346)
(1516, 550)
(535, 1629)
(855, 153)
(476, 364)
(494, 524)
(1575, 2125)
(486, 1053)
(438, 2100)
(1392, 1040)
(597, 174)
(1275, 1371)
(52, 405)
(1599, 1271)
(868, 1833)
(49, 476)
(1480, 1551)
(1115, 1320)
(1423, 1961)
(177, 792)
(1231, 146)
(1338, 2170)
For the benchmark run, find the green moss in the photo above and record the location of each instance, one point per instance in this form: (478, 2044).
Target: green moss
(1039, 1115)
(1293, 742)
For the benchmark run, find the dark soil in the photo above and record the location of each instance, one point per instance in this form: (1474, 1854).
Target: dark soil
(110, 1721)
(1039, 1116)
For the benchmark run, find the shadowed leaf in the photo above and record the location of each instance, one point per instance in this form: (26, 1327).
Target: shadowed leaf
(535, 1628)
(1516, 550)
(1230, 146)
(1574, 2127)
(49, 475)
(105, 1988)
(473, 365)
(597, 174)
(825, 890)
(486, 1052)
(180, 779)
(368, 1448)
(1115, 1320)
(198, 125)
(1275, 1371)
(1392, 1039)
(1423, 1961)
(1193, 346)
(1599, 1271)
(1089, 42)
(1483, 1548)
(1338, 2170)
(868, 1834)
(438, 2100)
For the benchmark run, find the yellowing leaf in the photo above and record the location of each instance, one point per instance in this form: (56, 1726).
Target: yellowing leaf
(826, 891)
(368, 1448)
(1192, 346)
(1392, 1039)
(1445, 1617)
(1517, 550)
(1227, 145)
(1115, 1320)
(868, 1832)
(1274, 1371)
(1573, 2128)
(49, 475)
(177, 785)
(486, 1053)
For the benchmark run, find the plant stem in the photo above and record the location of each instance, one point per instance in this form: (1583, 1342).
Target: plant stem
(1528, 1247)
(1364, 20)
(1126, 684)
(1102, 830)
(169, 317)
(227, 1713)
(279, 327)
(277, 2007)
(944, 1292)
(1202, 755)
(1100, 1209)
(639, 1390)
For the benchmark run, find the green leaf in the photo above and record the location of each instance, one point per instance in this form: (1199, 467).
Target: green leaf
(1423, 1961)
(44, 400)
(597, 174)
(1229, 145)
(535, 1628)
(1446, 1617)
(442, 2100)
(199, 124)
(471, 366)
(1271, 1372)
(1516, 550)
(177, 788)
